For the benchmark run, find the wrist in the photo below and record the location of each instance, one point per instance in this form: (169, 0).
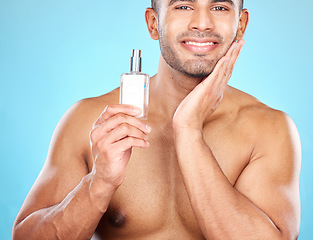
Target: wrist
(100, 192)
(180, 125)
(187, 129)
(187, 135)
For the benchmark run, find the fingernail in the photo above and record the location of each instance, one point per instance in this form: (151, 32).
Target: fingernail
(148, 128)
(137, 110)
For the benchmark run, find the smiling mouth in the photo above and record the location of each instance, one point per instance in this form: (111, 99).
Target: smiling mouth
(199, 44)
(200, 47)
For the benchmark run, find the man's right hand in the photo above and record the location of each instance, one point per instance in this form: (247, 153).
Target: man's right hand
(114, 134)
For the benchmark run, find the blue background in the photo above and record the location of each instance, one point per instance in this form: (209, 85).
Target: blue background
(53, 53)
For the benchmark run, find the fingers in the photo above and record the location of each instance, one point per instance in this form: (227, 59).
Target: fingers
(112, 110)
(113, 126)
(130, 142)
(121, 139)
(125, 131)
(114, 115)
(224, 68)
(233, 55)
(226, 65)
(117, 120)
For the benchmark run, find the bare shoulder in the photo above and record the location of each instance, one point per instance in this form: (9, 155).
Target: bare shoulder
(273, 134)
(75, 125)
(89, 107)
(259, 119)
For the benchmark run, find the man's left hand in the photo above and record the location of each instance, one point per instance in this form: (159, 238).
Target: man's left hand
(204, 99)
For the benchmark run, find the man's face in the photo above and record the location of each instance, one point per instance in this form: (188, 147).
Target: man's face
(195, 34)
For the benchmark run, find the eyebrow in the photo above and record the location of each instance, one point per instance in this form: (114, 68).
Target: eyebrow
(227, 1)
(174, 1)
(212, 1)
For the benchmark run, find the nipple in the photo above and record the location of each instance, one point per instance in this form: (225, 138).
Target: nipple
(117, 219)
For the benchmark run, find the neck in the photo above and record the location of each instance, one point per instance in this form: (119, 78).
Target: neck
(169, 88)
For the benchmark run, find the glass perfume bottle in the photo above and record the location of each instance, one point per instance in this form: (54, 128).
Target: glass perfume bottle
(134, 88)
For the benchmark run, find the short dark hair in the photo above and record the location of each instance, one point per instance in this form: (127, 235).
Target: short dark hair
(155, 5)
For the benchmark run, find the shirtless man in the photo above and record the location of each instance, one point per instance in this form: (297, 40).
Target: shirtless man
(211, 162)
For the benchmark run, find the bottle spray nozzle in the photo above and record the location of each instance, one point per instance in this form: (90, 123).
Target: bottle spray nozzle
(135, 61)
(136, 53)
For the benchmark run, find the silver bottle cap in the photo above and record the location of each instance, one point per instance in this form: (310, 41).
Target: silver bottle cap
(135, 61)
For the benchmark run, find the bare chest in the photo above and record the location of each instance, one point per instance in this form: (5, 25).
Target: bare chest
(153, 199)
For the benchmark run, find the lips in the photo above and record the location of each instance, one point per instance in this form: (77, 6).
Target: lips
(200, 46)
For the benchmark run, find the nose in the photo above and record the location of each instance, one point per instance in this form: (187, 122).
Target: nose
(201, 20)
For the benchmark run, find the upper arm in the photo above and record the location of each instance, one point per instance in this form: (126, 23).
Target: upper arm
(271, 179)
(65, 165)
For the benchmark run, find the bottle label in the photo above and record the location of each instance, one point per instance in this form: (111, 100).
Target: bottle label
(133, 91)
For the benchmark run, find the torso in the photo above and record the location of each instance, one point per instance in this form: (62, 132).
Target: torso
(152, 202)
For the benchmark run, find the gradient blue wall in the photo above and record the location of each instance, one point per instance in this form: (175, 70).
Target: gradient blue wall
(53, 53)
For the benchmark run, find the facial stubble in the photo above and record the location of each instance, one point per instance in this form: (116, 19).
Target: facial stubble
(199, 67)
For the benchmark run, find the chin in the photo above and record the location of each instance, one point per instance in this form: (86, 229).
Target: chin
(198, 72)
(198, 75)
(199, 69)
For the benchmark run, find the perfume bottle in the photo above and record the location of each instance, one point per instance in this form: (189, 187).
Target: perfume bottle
(135, 86)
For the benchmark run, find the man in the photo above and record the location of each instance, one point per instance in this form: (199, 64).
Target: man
(211, 162)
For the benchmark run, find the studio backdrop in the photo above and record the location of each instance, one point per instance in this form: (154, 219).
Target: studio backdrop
(54, 53)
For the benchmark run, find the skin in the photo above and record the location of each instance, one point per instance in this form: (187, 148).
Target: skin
(211, 162)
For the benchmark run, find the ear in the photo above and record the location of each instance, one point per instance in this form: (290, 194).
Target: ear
(243, 23)
(151, 17)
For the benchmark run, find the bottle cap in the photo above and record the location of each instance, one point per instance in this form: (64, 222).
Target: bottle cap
(135, 61)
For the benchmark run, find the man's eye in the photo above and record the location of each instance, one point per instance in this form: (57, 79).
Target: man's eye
(219, 9)
(183, 8)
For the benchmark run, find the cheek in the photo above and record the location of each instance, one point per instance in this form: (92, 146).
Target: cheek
(228, 29)
(172, 25)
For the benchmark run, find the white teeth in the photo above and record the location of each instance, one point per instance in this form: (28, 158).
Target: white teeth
(200, 44)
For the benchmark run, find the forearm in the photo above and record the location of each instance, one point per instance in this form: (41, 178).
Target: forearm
(221, 210)
(76, 217)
